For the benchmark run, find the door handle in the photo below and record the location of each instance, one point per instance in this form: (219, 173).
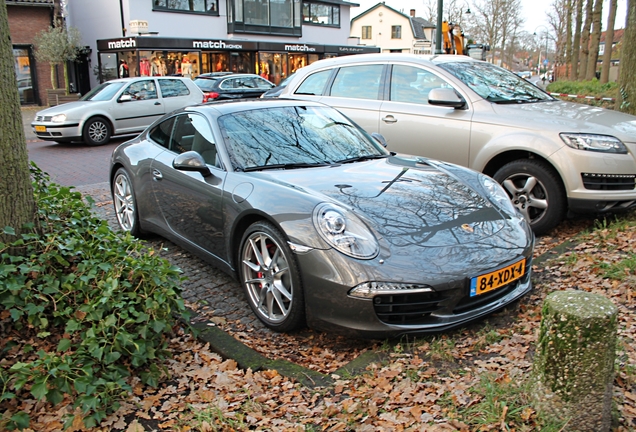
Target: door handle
(157, 103)
(156, 174)
(389, 119)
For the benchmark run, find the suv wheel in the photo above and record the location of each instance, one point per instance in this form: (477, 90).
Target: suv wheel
(535, 189)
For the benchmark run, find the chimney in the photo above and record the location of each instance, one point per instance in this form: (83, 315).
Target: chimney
(413, 13)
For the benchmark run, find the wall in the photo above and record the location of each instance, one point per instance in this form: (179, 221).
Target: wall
(381, 20)
(25, 22)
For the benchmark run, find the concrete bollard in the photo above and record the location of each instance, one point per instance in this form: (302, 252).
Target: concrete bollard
(574, 362)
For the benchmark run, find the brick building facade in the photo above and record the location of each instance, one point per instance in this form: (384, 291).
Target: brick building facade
(27, 18)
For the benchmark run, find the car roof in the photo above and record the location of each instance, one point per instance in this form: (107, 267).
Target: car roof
(237, 105)
(381, 57)
(221, 75)
(129, 79)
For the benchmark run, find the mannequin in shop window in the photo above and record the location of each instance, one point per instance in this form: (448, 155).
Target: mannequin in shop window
(123, 69)
(157, 68)
(186, 67)
(144, 67)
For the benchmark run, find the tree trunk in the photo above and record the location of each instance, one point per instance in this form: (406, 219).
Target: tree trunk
(568, 40)
(609, 41)
(585, 40)
(574, 361)
(65, 66)
(576, 44)
(596, 37)
(627, 80)
(17, 205)
(53, 77)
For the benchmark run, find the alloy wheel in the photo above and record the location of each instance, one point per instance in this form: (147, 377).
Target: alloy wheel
(124, 202)
(528, 194)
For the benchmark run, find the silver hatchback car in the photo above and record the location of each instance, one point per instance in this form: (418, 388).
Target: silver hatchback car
(551, 156)
(118, 107)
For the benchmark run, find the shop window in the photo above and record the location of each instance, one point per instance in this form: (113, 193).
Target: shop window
(321, 14)
(195, 6)
(162, 63)
(276, 17)
(272, 66)
(366, 32)
(396, 32)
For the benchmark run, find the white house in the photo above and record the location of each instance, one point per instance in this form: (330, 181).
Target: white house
(393, 31)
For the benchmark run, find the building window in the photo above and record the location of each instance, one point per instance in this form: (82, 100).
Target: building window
(366, 32)
(321, 14)
(197, 6)
(276, 17)
(396, 32)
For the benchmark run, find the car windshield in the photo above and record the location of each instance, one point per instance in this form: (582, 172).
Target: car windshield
(205, 84)
(106, 91)
(294, 137)
(495, 84)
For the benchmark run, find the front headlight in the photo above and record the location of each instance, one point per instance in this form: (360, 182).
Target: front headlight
(58, 118)
(497, 193)
(596, 143)
(345, 231)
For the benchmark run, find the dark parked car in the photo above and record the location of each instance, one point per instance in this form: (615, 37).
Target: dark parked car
(276, 91)
(220, 86)
(320, 224)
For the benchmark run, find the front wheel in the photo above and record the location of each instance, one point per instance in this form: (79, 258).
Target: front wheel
(535, 189)
(97, 131)
(270, 277)
(124, 202)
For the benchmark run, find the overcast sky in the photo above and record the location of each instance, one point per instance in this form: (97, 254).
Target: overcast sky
(534, 11)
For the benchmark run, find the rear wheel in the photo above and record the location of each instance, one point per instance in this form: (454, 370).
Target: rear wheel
(535, 189)
(125, 204)
(269, 274)
(97, 131)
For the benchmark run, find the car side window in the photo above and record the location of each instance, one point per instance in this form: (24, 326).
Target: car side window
(262, 83)
(360, 82)
(161, 133)
(228, 84)
(173, 88)
(412, 84)
(192, 132)
(314, 84)
(142, 90)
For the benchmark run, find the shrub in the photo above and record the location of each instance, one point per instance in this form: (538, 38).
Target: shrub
(86, 307)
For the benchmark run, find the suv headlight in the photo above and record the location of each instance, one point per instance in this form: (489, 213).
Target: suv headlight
(58, 118)
(345, 231)
(596, 143)
(497, 194)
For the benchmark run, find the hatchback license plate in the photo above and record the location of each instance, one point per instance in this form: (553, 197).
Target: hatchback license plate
(493, 280)
(40, 128)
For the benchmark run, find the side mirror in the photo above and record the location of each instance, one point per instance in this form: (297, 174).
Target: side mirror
(445, 97)
(379, 138)
(191, 161)
(124, 98)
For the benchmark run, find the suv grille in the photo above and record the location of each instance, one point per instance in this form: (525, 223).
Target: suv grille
(608, 182)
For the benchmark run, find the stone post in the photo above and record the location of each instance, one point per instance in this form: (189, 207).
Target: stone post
(574, 362)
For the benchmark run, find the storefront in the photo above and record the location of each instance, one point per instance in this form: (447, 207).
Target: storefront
(155, 56)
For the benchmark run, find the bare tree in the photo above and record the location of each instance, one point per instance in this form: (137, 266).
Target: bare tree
(585, 40)
(560, 20)
(17, 205)
(627, 80)
(609, 41)
(576, 43)
(594, 40)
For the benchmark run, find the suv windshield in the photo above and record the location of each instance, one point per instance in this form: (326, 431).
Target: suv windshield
(495, 84)
(294, 137)
(103, 92)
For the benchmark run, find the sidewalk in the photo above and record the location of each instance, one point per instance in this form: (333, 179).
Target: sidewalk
(28, 114)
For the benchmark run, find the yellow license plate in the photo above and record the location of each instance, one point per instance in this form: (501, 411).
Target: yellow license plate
(40, 128)
(493, 280)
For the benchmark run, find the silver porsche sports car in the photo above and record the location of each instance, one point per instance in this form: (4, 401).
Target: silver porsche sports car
(320, 224)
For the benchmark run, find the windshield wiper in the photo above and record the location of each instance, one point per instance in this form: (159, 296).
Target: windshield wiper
(364, 158)
(285, 166)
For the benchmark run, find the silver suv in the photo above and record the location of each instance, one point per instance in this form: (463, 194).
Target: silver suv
(551, 156)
